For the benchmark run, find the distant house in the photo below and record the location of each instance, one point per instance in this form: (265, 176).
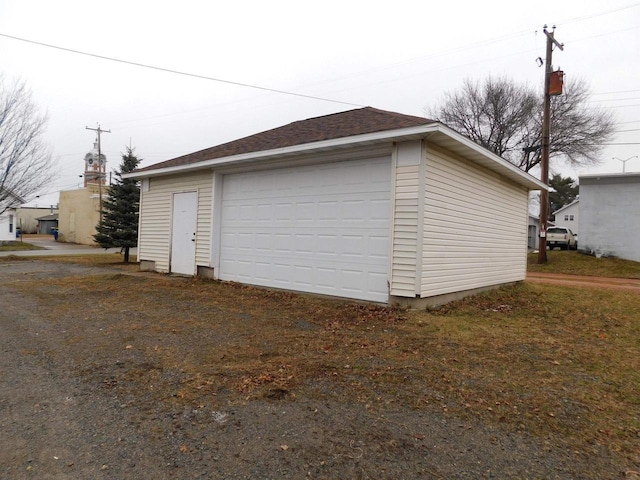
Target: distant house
(569, 216)
(610, 215)
(364, 204)
(28, 218)
(8, 215)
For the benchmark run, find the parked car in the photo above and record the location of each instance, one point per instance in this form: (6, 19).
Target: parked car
(561, 237)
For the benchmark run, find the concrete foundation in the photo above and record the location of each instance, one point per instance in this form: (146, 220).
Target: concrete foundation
(147, 266)
(205, 272)
(437, 300)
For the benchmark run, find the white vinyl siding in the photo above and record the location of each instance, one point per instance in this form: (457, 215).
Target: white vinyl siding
(405, 231)
(407, 235)
(475, 227)
(155, 217)
(203, 231)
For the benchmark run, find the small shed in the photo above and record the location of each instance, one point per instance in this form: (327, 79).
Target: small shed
(48, 223)
(365, 204)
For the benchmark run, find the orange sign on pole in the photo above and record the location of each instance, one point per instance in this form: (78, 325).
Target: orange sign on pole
(556, 80)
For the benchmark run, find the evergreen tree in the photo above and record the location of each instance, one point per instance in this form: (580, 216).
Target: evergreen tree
(119, 225)
(564, 192)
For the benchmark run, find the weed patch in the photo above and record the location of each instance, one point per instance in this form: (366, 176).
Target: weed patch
(6, 246)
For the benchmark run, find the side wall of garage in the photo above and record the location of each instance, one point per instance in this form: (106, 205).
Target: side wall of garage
(154, 237)
(474, 226)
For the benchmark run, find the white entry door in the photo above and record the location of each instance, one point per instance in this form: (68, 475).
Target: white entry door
(183, 233)
(318, 228)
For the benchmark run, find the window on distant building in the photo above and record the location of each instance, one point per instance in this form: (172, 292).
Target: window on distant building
(10, 223)
(566, 218)
(571, 218)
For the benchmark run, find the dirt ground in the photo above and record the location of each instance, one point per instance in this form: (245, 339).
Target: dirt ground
(631, 284)
(82, 397)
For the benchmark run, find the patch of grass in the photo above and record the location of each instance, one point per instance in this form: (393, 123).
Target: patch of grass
(574, 263)
(95, 260)
(555, 362)
(7, 246)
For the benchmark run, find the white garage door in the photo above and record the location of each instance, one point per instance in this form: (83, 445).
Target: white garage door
(319, 228)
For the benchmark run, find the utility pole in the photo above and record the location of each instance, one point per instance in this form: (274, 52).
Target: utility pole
(546, 121)
(100, 165)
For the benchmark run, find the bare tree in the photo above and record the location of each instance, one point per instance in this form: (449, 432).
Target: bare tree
(25, 158)
(506, 118)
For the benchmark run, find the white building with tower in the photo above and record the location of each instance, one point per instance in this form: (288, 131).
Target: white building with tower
(95, 167)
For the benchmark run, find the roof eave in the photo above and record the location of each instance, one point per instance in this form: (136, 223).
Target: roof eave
(336, 143)
(17, 199)
(564, 207)
(432, 130)
(491, 161)
(609, 175)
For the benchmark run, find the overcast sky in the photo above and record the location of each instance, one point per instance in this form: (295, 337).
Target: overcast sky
(395, 55)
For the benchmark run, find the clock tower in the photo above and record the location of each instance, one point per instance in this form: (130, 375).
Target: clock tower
(95, 167)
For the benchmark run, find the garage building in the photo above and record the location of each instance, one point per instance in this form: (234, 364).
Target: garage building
(364, 204)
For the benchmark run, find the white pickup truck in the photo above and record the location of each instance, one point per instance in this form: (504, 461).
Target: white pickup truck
(561, 237)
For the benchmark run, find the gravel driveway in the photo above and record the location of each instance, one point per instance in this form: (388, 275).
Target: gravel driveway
(67, 412)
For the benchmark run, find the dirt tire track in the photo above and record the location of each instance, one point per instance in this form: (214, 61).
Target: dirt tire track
(632, 284)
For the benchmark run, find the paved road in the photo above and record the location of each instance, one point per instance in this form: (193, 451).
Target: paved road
(57, 248)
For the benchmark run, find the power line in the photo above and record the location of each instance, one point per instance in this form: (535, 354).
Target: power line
(619, 91)
(179, 72)
(285, 92)
(614, 100)
(610, 144)
(619, 106)
(609, 107)
(605, 12)
(61, 189)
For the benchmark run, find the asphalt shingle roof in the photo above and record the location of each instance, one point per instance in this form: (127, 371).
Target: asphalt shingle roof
(328, 127)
